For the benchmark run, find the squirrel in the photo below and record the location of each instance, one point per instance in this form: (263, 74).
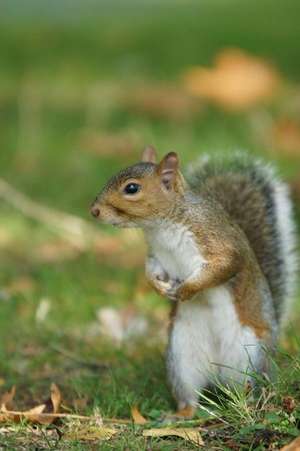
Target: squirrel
(221, 247)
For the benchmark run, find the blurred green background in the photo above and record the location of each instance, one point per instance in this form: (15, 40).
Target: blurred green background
(84, 86)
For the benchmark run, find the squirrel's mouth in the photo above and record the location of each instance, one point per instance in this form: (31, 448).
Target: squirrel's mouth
(108, 214)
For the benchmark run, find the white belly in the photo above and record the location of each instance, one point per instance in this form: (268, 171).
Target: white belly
(208, 343)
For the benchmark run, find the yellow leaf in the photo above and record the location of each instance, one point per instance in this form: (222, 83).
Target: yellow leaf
(91, 433)
(137, 416)
(189, 434)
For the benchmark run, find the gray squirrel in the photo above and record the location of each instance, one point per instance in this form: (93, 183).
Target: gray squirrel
(221, 247)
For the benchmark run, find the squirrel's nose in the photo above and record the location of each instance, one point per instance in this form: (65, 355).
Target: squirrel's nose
(95, 211)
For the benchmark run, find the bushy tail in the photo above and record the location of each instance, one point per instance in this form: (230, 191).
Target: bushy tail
(260, 203)
(286, 236)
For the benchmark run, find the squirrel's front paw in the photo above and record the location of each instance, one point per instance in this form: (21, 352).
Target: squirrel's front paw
(167, 288)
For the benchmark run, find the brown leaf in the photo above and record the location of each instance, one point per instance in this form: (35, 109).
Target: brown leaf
(189, 434)
(6, 399)
(293, 446)
(36, 414)
(55, 397)
(137, 416)
(236, 82)
(51, 406)
(288, 404)
(8, 415)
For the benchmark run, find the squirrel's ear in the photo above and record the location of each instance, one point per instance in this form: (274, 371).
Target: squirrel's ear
(168, 169)
(149, 155)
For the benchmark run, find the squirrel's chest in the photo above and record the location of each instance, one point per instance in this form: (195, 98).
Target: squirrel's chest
(175, 248)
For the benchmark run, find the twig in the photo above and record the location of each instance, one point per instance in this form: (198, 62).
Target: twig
(76, 230)
(4, 415)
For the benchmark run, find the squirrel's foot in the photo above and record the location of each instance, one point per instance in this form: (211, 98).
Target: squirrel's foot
(186, 413)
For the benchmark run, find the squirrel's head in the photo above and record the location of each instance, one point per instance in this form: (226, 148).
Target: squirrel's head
(141, 193)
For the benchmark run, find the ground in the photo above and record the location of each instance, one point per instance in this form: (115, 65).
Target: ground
(80, 95)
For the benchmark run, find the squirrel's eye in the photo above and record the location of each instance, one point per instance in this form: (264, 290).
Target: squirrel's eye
(132, 188)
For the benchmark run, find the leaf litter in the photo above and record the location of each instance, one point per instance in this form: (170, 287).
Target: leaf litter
(37, 414)
(82, 427)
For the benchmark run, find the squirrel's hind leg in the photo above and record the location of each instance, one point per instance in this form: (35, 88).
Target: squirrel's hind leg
(185, 386)
(190, 350)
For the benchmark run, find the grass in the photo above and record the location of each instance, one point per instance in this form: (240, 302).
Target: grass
(63, 132)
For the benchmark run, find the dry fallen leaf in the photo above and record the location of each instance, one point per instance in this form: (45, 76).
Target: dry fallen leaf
(137, 416)
(293, 446)
(55, 397)
(6, 399)
(237, 81)
(37, 414)
(33, 414)
(189, 434)
(90, 433)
